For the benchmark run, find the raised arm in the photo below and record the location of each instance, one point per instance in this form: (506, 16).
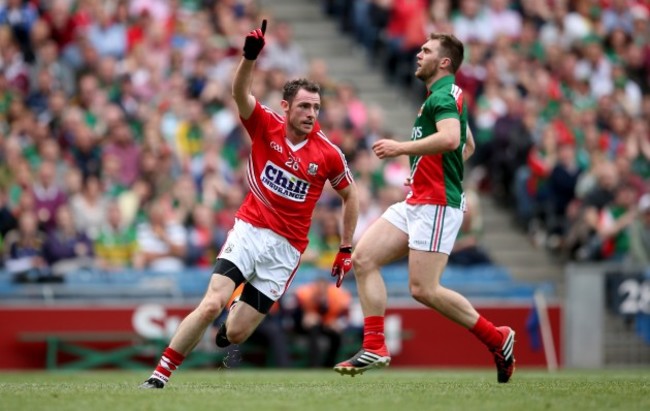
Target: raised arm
(241, 84)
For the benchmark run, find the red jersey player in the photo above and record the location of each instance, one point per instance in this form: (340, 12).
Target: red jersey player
(290, 162)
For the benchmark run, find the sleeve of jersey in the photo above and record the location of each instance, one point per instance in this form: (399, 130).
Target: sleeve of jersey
(445, 107)
(258, 121)
(339, 173)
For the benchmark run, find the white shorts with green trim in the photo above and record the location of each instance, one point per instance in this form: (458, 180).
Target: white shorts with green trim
(429, 227)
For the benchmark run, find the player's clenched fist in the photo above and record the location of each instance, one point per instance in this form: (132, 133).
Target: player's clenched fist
(386, 148)
(255, 42)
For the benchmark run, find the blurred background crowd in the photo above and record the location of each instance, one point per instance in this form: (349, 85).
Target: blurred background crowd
(120, 146)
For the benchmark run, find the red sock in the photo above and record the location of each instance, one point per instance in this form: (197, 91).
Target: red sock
(373, 332)
(487, 333)
(169, 361)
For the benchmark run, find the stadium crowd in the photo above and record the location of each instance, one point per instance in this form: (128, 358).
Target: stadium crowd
(120, 146)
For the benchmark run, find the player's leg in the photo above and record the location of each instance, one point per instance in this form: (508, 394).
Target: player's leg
(425, 271)
(234, 264)
(191, 329)
(384, 241)
(274, 267)
(427, 261)
(244, 317)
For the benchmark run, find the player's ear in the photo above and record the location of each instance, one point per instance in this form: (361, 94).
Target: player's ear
(445, 63)
(285, 105)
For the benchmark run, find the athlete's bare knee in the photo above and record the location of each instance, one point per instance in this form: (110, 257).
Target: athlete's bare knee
(236, 335)
(362, 262)
(425, 294)
(209, 309)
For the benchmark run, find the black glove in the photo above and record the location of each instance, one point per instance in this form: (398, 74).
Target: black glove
(254, 42)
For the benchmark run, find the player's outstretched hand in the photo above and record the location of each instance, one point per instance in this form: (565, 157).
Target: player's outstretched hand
(342, 264)
(255, 42)
(386, 148)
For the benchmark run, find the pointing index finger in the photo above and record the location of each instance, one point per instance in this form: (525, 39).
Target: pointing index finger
(263, 28)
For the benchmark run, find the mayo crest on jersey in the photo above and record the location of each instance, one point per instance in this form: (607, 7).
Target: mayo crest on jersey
(286, 180)
(437, 179)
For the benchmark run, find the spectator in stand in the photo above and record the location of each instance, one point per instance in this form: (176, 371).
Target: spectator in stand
(48, 195)
(23, 251)
(20, 16)
(322, 312)
(284, 53)
(66, 248)
(86, 153)
(611, 240)
(561, 185)
(116, 245)
(466, 250)
(205, 238)
(42, 88)
(640, 234)
(232, 199)
(12, 64)
(403, 36)
(596, 196)
(617, 15)
(356, 110)
(122, 146)
(503, 20)
(107, 35)
(89, 207)
(47, 59)
(185, 198)
(473, 23)
(7, 219)
(369, 211)
(162, 241)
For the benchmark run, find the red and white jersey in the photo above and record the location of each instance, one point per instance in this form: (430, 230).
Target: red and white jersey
(286, 180)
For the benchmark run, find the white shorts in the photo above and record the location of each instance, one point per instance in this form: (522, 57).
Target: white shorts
(266, 259)
(429, 227)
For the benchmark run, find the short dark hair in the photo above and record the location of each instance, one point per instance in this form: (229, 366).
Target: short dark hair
(291, 88)
(451, 48)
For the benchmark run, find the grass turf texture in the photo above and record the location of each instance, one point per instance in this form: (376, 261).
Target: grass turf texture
(264, 390)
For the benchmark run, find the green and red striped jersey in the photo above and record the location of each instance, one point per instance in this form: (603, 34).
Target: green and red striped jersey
(438, 178)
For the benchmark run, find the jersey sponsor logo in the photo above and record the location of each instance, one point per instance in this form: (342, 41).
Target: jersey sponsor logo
(416, 133)
(283, 183)
(275, 146)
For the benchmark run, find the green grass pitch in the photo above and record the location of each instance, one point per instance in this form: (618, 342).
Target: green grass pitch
(265, 390)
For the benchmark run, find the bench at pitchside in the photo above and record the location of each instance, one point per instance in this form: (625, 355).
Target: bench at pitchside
(108, 349)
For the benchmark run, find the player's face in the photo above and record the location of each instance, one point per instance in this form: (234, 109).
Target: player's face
(302, 112)
(428, 60)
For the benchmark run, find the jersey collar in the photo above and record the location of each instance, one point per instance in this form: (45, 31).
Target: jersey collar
(442, 82)
(296, 147)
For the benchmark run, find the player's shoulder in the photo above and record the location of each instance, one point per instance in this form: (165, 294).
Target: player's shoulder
(268, 111)
(324, 143)
(448, 90)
